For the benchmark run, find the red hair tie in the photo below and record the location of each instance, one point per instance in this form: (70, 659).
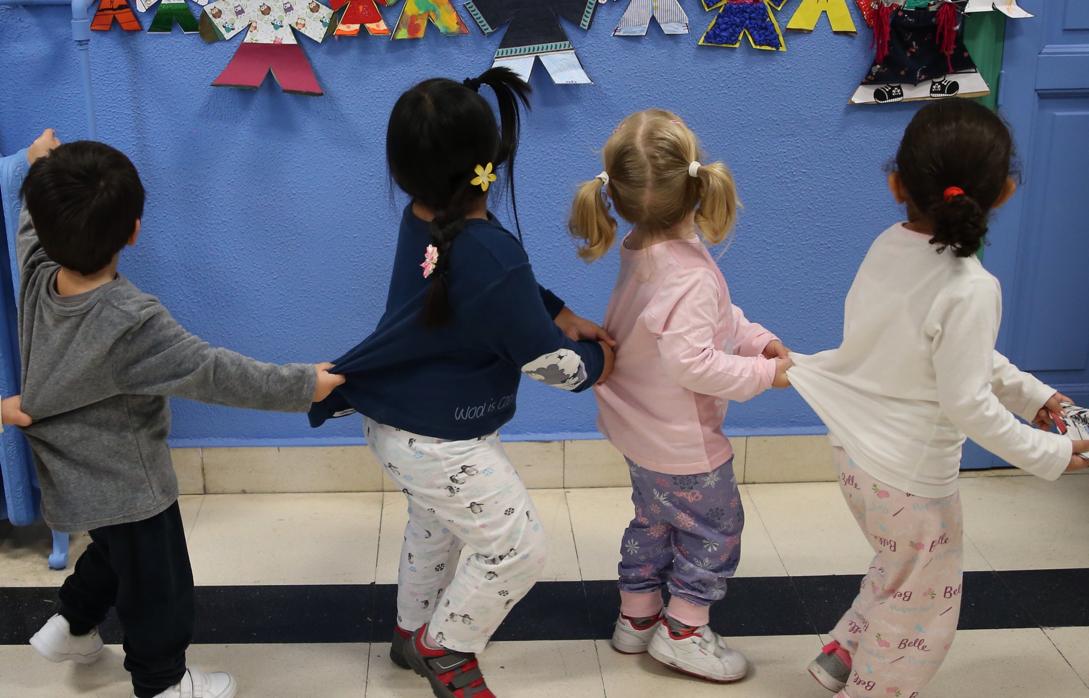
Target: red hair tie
(952, 193)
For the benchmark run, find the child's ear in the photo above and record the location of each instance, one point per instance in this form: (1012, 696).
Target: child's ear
(896, 186)
(1007, 192)
(135, 233)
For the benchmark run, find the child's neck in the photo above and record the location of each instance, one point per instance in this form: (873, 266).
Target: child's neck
(919, 226)
(479, 210)
(644, 237)
(72, 283)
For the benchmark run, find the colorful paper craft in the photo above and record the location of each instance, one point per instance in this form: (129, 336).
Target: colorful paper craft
(417, 13)
(170, 12)
(809, 13)
(920, 56)
(739, 19)
(1010, 8)
(359, 13)
(115, 10)
(270, 44)
(636, 20)
(535, 32)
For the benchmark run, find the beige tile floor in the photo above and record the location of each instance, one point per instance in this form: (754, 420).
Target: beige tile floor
(1012, 523)
(792, 528)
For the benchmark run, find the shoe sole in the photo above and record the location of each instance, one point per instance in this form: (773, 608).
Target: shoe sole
(397, 656)
(826, 680)
(671, 663)
(232, 689)
(60, 657)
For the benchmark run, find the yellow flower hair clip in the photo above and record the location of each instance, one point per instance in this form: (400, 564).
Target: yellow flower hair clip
(484, 177)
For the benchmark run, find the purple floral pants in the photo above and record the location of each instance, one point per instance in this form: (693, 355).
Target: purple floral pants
(686, 535)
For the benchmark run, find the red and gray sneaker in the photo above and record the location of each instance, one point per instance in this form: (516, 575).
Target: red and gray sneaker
(832, 667)
(452, 674)
(401, 639)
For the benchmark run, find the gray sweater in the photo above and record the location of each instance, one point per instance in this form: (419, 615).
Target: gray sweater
(97, 371)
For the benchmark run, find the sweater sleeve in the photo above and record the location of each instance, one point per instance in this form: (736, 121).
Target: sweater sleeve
(159, 357)
(490, 14)
(750, 338)
(1021, 393)
(963, 326)
(553, 303)
(514, 322)
(684, 316)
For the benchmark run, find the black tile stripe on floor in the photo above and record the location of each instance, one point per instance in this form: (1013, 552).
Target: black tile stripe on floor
(572, 610)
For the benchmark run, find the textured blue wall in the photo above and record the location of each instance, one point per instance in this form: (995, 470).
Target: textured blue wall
(270, 227)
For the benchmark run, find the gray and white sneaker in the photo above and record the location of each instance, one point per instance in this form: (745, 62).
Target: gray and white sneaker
(198, 684)
(56, 643)
(832, 667)
(699, 652)
(633, 638)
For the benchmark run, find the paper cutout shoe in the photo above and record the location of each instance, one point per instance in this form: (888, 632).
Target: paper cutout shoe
(888, 93)
(944, 88)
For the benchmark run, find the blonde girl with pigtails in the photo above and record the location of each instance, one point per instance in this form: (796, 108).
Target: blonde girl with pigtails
(685, 351)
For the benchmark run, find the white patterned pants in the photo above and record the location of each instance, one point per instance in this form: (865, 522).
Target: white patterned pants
(460, 494)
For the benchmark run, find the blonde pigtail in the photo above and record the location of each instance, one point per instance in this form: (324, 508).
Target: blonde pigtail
(591, 221)
(719, 205)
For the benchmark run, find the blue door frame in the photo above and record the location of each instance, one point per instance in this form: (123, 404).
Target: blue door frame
(1039, 243)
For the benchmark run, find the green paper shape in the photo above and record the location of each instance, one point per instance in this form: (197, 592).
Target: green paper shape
(171, 13)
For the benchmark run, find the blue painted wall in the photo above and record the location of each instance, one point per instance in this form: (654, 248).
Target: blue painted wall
(270, 226)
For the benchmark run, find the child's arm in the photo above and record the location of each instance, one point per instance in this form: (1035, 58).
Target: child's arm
(1022, 393)
(964, 327)
(28, 249)
(754, 339)
(159, 357)
(684, 316)
(519, 327)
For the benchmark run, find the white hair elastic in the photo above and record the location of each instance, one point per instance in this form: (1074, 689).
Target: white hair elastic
(604, 177)
(694, 168)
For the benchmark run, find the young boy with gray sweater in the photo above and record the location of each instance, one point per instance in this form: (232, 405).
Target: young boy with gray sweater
(100, 358)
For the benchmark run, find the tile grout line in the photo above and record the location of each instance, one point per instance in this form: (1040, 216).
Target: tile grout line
(600, 669)
(373, 600)
(574, 539)
(764, 525)
(1084, 680)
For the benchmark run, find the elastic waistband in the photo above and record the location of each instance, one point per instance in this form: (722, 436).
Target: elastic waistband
(369, 423)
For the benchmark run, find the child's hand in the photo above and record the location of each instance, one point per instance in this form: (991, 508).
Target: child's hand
(782, 365)
(578, 328)
(775, 350)
(610, 361)
(1079, 462)
(1052, 409)
(327, 382)
(42, 146)
(12, 412)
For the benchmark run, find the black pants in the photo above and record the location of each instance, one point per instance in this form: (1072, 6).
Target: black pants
(143, 570)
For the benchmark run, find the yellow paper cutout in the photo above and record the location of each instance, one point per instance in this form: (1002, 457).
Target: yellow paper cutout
(809, 14)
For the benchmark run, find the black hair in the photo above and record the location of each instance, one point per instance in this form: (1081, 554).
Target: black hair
(85, 198)
(949, 145)
(439, 131)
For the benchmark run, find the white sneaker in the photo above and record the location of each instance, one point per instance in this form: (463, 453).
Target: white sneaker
(701, 653)
(628, 639)
(56, 643)
(198, 684)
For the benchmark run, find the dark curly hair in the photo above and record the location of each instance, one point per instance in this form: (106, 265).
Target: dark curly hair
(955, 143)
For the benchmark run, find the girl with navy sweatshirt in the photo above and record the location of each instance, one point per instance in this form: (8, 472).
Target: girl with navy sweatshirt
(464, 319)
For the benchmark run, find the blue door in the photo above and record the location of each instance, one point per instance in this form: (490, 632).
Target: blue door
(1039, 243)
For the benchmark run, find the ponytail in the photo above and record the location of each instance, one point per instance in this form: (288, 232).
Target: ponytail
(591, 221)
(960, 225)
(718, 207)
(438, 133)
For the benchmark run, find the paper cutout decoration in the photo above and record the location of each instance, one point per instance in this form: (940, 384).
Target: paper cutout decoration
(920, 54)
(535, 32)
(809, 13)
(636, 20)
(110, 10)
(170, 12)
(1010, 8)
(738, 19)
(359, 13)
(270, 44)
(417, 13)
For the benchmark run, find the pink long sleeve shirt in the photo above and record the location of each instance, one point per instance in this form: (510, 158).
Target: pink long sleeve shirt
(684, 352)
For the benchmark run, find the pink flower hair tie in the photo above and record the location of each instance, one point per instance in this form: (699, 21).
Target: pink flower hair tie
(431, 260)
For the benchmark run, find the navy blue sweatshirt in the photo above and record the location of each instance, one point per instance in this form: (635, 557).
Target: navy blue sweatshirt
(460, 381)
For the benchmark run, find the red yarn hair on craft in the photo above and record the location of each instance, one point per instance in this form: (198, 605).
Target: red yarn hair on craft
(882, 30)
(947, 31)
